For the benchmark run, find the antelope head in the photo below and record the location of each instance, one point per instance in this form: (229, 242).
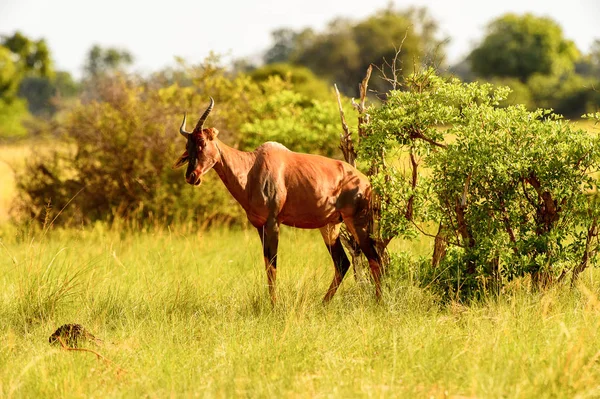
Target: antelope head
(201, 152)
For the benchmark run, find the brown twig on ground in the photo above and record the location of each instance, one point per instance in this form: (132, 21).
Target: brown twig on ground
(98, 355)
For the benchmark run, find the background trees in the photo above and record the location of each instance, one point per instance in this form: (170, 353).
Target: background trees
(531, 55)
(346, 48)
(520, 46)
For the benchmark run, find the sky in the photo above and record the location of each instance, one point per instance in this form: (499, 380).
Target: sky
(157, 31)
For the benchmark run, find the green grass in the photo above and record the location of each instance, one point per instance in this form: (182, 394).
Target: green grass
(187, 314)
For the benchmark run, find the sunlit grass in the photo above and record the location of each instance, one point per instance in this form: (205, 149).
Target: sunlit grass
(187, 313)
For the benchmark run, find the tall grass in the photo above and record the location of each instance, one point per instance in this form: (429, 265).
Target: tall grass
(186, 313)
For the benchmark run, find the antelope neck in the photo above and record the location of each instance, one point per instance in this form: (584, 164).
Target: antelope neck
(233, 167)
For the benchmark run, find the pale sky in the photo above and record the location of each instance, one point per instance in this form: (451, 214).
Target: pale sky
(155, 32)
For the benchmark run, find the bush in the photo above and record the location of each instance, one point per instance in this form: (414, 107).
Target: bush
(510, 191)
(13, 113)
(302, 79)
(296, 121)
(115, 161)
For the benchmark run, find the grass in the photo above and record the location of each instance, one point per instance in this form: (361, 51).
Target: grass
(184, 313)
(187, 314)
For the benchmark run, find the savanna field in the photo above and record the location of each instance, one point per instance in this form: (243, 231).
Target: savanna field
(184, 312)
(481, 164)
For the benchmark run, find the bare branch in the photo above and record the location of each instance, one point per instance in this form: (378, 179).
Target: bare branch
(394, 68)
(418, 135)
(346, 144)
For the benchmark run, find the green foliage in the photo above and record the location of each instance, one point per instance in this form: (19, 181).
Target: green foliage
(9, 74)
(38, 92)
(12, 115)
(106, 60)
(66, 86)
(520, 46)
(33, 56)
(511, 188)
(589, 64)
(343, 52)
(520, 93)
(570, 95)
(302, 79)
(284, 45)
(294, 120)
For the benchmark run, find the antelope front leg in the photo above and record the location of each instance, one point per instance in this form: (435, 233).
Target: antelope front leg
(331, 236)
(269, 236)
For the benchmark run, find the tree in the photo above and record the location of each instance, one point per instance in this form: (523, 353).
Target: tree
(589, 65)
(283, 47)
(33, 56)
(346, 48)
(12, 109)
(105, 60)
(520, 46)
(9, 74)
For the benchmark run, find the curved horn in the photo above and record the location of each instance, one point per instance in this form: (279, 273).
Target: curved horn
(200, 123)
(182, 128)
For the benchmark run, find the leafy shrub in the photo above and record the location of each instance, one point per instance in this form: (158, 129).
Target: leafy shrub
(13, 113)
(116, 161)
(296, 121)
(510, 191)
(302, 79)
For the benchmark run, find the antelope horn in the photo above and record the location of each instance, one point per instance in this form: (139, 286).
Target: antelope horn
(182, 128)
(200, 123)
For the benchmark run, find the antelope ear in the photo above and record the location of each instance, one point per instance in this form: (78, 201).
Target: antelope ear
(211, 133)
(183, 159)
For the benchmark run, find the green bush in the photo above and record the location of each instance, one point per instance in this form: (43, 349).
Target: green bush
(303, 80)
(13, 113)
(296, 121)
(512, 190)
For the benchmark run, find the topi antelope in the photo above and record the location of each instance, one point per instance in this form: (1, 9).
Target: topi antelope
(275, 185)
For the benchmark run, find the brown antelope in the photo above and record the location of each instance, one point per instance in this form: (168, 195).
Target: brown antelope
(275, 185)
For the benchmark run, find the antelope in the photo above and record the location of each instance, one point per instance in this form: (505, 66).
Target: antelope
(277, 186)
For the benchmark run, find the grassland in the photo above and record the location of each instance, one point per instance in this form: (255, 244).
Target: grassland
(187, 314)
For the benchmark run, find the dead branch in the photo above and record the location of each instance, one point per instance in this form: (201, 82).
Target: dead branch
(394, 68)
(346, 144)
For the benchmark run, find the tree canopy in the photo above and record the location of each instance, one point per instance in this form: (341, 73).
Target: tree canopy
(346, 48)
(32, 56)
(101, 60)
(520, 46)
